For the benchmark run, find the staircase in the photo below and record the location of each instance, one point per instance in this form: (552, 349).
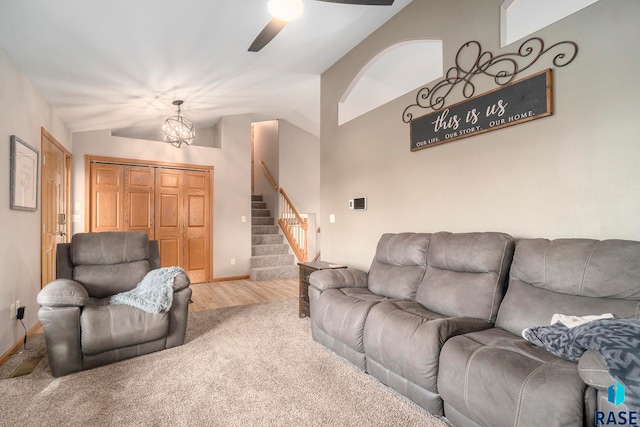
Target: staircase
(270, 256)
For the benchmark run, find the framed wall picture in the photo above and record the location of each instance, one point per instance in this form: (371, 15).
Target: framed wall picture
(24, 175)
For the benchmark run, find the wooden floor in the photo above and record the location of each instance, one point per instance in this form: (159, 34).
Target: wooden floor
(207, 296)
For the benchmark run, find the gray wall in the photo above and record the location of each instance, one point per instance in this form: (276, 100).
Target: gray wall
(266, 148)
(573, 174)
(23, 111)
(300, 176)
(232, 182)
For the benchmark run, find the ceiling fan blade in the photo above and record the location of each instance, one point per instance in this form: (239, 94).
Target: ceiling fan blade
(267, 34)
(363, 2)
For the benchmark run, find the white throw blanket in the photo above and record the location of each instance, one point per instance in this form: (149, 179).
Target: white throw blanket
(154, 293)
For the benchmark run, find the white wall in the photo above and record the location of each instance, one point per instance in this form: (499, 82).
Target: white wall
(300, 175)
(23, 111)
(573, 174)
(232, 182)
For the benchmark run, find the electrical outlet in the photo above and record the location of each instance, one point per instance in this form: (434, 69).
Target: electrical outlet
(12, 312)
(233, 261)
(244, 218)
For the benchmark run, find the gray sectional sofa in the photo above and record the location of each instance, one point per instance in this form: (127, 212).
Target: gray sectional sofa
(439, 317)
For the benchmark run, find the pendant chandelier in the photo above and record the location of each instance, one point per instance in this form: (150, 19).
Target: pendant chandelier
(178, 130)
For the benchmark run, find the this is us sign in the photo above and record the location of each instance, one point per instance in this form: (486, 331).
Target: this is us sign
(525, 100)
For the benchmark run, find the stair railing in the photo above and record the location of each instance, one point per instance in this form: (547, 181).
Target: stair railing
(268, 175)
(293, 226)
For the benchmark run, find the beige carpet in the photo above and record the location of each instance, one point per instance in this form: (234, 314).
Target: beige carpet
(252, 365)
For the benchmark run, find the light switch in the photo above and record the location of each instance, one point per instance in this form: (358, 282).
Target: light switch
(332, 218)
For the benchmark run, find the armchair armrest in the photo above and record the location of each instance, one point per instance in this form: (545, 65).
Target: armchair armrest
(180, 282)
(63, 292)
(593, 371)
(338, 278)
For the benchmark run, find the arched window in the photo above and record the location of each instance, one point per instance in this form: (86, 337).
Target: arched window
(395, 71)
(519, 18)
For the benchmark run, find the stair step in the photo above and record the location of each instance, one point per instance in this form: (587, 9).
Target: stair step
(264, 229)
(279, 260)
(260, 212)
(266, 239)
(256, 197)
(274, 273)
(276, 249)
(262, 220)
(258, 205)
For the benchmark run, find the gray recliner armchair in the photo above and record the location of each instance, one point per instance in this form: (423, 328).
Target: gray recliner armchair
(82, 328)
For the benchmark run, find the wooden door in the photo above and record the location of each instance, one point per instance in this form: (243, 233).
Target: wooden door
(55, 196)
(107, 195)
(169, 216)
(170, 204)
(196, 225)
(139, 205)
(182, 221)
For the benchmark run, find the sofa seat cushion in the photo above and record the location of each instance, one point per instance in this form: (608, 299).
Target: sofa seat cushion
(406, 338)
(498, 379)
(341, 313)
(107, 327)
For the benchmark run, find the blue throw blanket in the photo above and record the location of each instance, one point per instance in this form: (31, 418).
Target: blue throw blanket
(154, 293)
(617, 340)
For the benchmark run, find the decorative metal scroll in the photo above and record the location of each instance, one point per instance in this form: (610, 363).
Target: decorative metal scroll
(502, 68)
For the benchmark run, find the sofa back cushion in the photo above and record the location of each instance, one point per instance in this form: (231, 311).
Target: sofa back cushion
(570, 276)
(466, 274)
(399, 264)
(109, 263)
(108, 248)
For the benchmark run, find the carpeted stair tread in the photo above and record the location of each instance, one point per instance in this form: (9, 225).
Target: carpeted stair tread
(264, 229)
(257, 249)
(273, 273)
(270, 257)
(266, 239)
(277, 260)
(262, 220)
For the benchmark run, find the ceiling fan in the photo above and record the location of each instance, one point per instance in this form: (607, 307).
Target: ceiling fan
(284, 11)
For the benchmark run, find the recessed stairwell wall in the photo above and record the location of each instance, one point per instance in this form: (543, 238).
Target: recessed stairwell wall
(292, 156)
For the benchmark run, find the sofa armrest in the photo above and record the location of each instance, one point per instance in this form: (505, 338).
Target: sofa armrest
(338, 278)
(593, 371)
(449, 327)
(61, 325)
(180, 282)
(63, 293)
(178, 315)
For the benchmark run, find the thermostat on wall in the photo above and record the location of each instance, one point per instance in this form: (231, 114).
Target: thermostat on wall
(358, 204)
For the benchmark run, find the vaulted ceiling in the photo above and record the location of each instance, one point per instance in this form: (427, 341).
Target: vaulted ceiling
(120, 64)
